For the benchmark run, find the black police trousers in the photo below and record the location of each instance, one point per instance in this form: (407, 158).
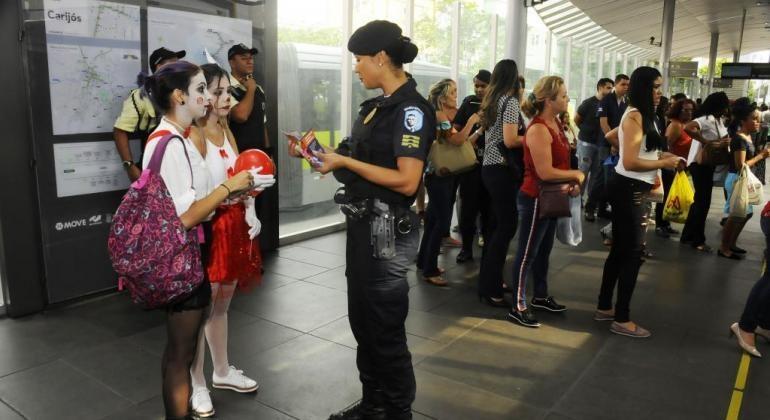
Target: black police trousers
(378, 303)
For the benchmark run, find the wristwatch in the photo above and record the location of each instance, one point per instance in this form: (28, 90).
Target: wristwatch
(127, 164)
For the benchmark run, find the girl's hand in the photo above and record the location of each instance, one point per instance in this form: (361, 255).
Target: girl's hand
(241, 181)
(331, 161)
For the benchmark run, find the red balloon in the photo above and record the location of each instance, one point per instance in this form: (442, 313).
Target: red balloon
(253, 159)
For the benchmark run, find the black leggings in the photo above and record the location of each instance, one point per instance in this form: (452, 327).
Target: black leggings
(503, 189)
(628, 227)
(667, 177)
(182, 329)
(757, 308)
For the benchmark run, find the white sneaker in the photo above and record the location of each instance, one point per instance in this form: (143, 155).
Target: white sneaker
(234, 381)
(201, 402)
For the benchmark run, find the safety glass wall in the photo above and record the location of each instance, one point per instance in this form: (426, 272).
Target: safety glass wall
(319, 89)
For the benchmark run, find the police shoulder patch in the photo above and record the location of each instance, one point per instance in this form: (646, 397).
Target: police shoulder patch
(411, 142)
(413, 118)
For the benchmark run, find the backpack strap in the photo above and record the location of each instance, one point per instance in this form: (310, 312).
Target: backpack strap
(160, 150)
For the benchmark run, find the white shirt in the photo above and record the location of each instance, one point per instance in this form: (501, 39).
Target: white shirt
(175, 171)
(710, 129)
(646, 176)
(220, 161)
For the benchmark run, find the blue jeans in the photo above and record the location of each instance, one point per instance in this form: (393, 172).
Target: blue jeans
(438, 218)
(535, 245)
(590, 158)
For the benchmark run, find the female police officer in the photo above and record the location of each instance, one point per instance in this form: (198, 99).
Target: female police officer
(381, 165)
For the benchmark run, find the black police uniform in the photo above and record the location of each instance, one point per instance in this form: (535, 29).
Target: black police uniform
(250, 134)
(401, 125)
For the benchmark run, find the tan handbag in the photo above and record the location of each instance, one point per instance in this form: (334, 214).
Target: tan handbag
(447, 158)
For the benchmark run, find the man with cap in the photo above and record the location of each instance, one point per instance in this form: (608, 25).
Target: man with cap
(247, 117)
(138, 117)
(474, 198)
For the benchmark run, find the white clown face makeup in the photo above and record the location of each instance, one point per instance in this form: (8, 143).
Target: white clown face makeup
(198, 97)
(219, 90)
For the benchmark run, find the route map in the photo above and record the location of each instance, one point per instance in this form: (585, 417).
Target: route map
(94, 56)
(196, 33)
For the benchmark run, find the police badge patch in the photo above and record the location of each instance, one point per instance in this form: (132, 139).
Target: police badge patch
(413, 118)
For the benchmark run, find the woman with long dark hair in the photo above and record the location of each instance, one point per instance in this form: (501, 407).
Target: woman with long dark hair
(706, 128)
(179, 91)
(640, 144)
(500, 120)
(744, 123)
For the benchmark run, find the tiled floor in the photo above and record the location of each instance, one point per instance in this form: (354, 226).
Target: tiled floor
(100, 359)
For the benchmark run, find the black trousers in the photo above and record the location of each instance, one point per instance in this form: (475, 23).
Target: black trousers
(628, 228)
(474, 201)
(503, 189)
(378, 303)
(703, 181)
(757, 308)
(667, 178)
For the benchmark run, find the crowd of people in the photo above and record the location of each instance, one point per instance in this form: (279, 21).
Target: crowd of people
(629, 140)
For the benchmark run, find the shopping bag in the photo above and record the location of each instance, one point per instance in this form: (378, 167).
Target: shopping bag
(680, 198)
(755, 188)
(569, 230)
(739, 200)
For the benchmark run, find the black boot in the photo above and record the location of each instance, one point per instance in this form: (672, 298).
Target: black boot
(359, 411)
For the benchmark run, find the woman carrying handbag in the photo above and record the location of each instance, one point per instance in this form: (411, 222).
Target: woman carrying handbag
(546, 163)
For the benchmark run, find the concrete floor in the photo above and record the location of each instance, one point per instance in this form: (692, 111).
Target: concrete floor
(100, 359)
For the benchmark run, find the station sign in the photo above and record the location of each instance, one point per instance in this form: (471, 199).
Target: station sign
(722, 83)
(683, 69)
(746, 71)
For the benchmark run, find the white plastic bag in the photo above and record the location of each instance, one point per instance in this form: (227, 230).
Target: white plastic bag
(569, 230)
(754, 186)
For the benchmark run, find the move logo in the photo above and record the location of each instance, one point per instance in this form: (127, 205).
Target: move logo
(95, 220)
(71, 224)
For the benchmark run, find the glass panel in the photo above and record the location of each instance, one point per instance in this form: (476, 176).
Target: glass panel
(433, 36)
(309, 77)
(593, 69)
(475, 53)
(574, 84)
(500, 38)
(558, 56)
(607, 67)
(537, 47)
(619, 63)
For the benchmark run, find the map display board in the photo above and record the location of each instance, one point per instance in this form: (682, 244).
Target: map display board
(196, 33)
(90, 167)
(94, 56)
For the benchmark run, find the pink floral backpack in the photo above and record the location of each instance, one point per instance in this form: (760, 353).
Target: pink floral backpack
(156, 258)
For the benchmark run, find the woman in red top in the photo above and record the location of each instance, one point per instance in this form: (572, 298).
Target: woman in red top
(546, 159)
(680, 114)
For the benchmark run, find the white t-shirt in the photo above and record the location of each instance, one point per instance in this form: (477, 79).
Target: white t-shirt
(175, 171)
(710, 129)
(646, 176)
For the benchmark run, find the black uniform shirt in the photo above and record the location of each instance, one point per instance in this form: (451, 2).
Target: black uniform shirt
(589, 124)
(613, 110)
(471, 105)
(387, 128)
(251, 133)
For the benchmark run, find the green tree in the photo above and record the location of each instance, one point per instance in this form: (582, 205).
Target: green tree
(703, 71)
(317, 36)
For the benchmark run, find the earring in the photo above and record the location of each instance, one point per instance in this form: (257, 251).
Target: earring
(181, 103)
(380, 64)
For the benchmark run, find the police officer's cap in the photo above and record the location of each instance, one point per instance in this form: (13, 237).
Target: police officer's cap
(163, 54)
(381, 35)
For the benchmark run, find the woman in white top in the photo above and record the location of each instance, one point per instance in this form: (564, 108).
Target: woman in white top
(707, 127)
(635, 173)
(179, 92)
(234, 258)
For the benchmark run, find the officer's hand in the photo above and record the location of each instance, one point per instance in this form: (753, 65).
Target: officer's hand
(331, 161)
(134, 173)
(294, 149)
(249, 83)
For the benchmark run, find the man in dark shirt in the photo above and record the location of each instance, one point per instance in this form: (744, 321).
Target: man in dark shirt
(474, 198)
(247, 117)
(589, 161)
(610, 112)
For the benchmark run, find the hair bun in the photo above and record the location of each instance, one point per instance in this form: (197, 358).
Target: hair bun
(408, 50)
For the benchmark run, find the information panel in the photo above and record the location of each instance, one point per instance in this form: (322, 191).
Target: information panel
(94, 56)
(196, 33)
(90, 167)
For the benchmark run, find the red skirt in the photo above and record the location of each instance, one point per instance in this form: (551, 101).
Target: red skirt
(233, 255)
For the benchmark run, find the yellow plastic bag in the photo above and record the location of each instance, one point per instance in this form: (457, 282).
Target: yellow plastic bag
(680, 198)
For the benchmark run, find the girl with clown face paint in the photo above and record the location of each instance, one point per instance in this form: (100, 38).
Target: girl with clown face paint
(180, 93)
(234, 259)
